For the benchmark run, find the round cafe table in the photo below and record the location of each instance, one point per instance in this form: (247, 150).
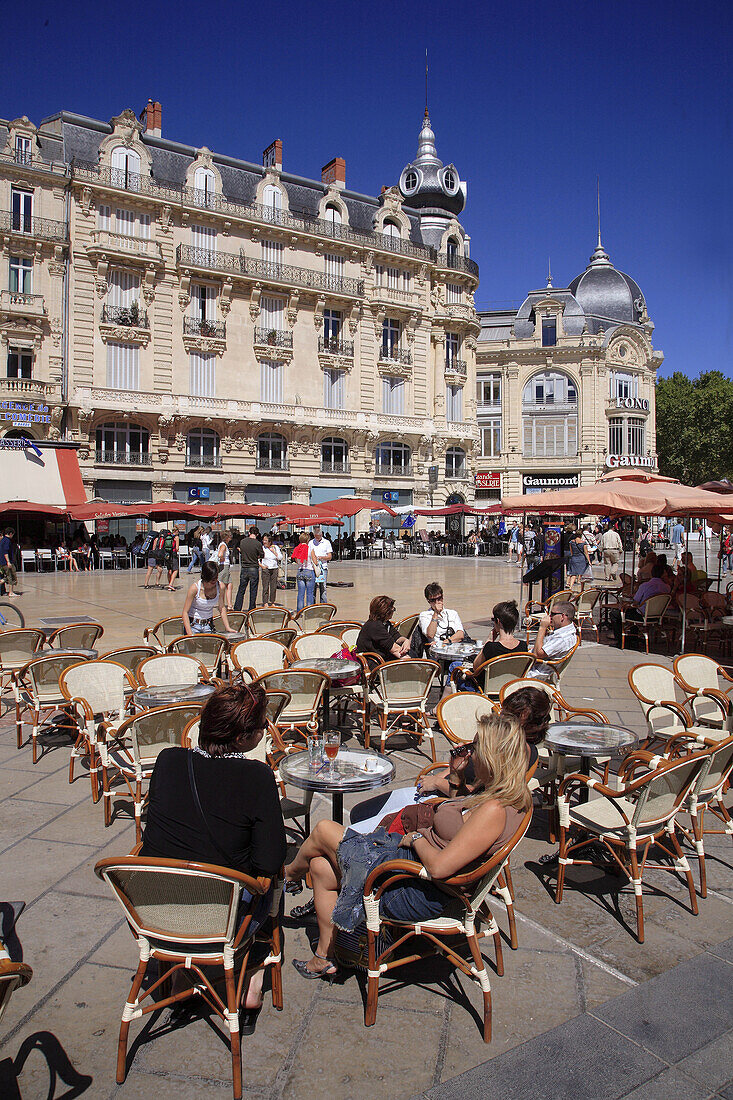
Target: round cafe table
(354, 770)
(148, 697)
(84, 654)
(234, 636)
(447, 652)
(589, 740)
(337, 669)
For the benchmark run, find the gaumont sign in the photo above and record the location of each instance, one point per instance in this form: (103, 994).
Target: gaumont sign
(639, 403)
(612, 461)
(537, 483)
(488, 481)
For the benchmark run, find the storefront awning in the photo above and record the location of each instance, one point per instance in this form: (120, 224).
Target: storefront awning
(37, 472)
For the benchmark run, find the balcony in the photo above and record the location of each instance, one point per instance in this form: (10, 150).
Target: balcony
(456, 369)
(130, 316)
(271, 462)
(395, 357)
(335, 467)
(459, 263)
(395, 296)
(333, 345)
(41, 228)
(120, 246)
(123, 458)
(247, 267)
(200, 462)
(29, 389)
(273, 338)
(456, 473)
(385, 470)
(14, 304)
(300, 222)
(199, 326)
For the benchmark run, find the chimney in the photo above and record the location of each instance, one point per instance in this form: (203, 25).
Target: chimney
(152, 116)
(273, 155)
(334, 172)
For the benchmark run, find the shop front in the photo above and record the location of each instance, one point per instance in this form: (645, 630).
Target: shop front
(487, 487)
(392, 498)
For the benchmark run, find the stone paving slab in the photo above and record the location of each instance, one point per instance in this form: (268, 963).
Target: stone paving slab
(573, 959)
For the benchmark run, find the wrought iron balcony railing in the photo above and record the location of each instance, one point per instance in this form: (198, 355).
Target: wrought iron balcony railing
(458, 263)
(203, 461)
(199, 326)
(456, 366)
(271, 462)
(387, 470)
(274, 337)
(34, 227)
(335, 467)
(333, 345)
(189, 256)
(300, 221)
(395, 355)
(131, 315)
(124, 458)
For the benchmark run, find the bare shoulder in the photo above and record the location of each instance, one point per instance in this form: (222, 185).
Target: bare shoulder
(488, 813)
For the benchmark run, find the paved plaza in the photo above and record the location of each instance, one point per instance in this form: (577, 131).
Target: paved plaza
(582, 1009)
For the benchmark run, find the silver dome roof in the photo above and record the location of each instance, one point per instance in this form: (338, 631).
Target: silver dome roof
(608, 295)
(426, 183)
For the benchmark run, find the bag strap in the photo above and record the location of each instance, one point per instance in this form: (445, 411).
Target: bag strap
(226, 857)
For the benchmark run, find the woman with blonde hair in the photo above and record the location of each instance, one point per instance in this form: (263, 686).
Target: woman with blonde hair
(445, 837)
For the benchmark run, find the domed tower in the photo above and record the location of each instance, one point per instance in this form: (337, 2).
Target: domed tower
(608, 297)
(431, 187)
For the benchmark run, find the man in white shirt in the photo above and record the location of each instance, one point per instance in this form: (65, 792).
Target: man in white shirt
(439, 623)
(555, 645)
(206, 543)
(320, 552)
(612, 548)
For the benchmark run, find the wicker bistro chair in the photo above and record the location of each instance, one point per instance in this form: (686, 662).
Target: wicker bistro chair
(493, 674)
(399, 690)
(261, 620)
(13, 975)
(237, 621)
(641, 813)
(76, 636)
(130, 656)
(706, 793)
(171, 670)
(209, 649)
(285, 637)
(315, 615)
(97, 693)
(657, 689)
(164, 632)
(256, 656)
(350, 635)
(585, 607)
(129, 751)
(457, 715)
(467, 915)
(654, 611)
(187, 917)
(553, 671)
(336, 627)
(17, 648)
(534, 609)
(36, 690)
(299, 718)
(316, 645)
(700, 677)
(406, 626)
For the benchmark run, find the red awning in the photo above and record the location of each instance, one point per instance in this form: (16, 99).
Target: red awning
(349, 506)
(41, 472)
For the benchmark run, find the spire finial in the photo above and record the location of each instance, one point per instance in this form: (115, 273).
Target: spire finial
(598, 205)
(549, 272)
(426, 83)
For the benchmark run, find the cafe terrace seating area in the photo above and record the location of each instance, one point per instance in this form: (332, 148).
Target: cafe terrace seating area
(631, 789)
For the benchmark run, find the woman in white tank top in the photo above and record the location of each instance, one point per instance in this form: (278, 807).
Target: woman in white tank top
(225, 573)
(203, 599)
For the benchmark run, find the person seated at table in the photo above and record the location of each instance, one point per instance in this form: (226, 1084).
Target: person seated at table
(634, 611)
(452, 834)
(65, 558)
(530, 706)
(667, 574)
(644, 572)
(203, 599)
(687, 577)
(379, 635)
(504, 619)
(439, 623)
(555, 645)
(237, 822)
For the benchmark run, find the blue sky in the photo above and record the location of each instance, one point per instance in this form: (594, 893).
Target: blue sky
(530, 100)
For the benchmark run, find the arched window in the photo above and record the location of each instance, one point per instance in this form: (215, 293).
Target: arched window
(455, 462)
(125, 167)
(550, 416)
(123, 443)
(411, 180)
(391, 229)
(451, 250)
(204, 183)
(449, 180)
(272, 199)
(202, 448)
(333, 214)
(334, 456)
(272, 451)
(17, 433)
(393, 458)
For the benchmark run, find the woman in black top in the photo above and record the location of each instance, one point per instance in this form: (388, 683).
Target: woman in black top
(240, 824)
(379, 635)
(504, 618)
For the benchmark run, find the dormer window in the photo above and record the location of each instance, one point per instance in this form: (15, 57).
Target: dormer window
(391, 229)
(204, 184)
(23, 150)
(549, 332)
(333, 214)
(450, 181)
(411, 180)
(272, 197)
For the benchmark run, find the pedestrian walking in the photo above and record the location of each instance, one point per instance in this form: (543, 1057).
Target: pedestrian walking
(250, 556)
(269, 567)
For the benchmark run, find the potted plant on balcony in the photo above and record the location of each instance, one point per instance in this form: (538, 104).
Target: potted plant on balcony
(272, 337)
(133, 313)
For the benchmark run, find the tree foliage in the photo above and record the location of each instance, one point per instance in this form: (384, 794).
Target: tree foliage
(695, 427)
